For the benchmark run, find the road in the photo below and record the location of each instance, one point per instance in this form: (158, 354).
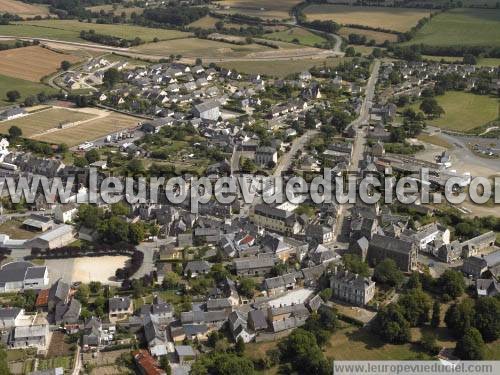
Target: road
(297, 144)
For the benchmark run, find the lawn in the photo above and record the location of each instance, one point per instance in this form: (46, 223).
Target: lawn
(42, 121)
(464, 111)
(279, 68)
(461, 27)
(277, 9)
(397, 19)
(377, 36)
(297, 35)
(14, 229)
(69, 30)
(25, 88)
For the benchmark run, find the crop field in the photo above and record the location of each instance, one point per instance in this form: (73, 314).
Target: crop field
(297, 35)
(25, 88)
(31, 63)
(279, 68)
(277, 9)
(464, 111)
(464, 27)
(42, 121)
(118, 11)
(206, 22)
(90, 130)
(378, 36)
(69, 30)
(23, 9)
(397, 19)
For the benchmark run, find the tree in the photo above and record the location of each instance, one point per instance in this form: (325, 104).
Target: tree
(487, 317)
(4, 366)
(82, 294)
(429, 342)
(111, 77)
(165, 365)
(326, 294)
(13, 95)
(470, 59)
(15, 132)
(431, 107)
(247, 287)
(451, 282)
(391, 325)
(171, 280)
(387, 272)
(92, 156)
(239, 347)
(222, 363)
(355, 264)
(459, 317)
(415, 305)
(470, 346)
(136, 233)
(65, 65)
(436, 315)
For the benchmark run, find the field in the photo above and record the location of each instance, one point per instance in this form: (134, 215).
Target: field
(465, 27)
(31, 63)
(14, 229)
(25, 88)
(22, 9)
(43, 121)
(279, 68)
(397, 19)
(69, 30)
(277, 9)
(206, 22)
(377, 36)
(433, 139)
(465, 111)
(118, 11)
(90, 130)
(297, 35)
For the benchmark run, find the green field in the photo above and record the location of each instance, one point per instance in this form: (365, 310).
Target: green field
(69, 30)
(279, 68)
(464, 27)
(25, 88)
(297, 35)
(464, 111)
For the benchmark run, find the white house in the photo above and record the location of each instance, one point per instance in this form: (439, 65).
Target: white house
(65, 213)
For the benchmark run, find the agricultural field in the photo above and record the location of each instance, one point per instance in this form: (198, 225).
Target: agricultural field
(461, 27)
(206, 22)
(117, 10)
(277, 9)
(22, 9)
(464, 111)
(31, 63)
(397, 19)
(279, 68)
(25, 88)
(297, 35)
(90, 130)
(377, 36)
(69, 30)
(45, 120)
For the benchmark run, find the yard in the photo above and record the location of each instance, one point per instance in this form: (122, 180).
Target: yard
(25, 88)
(461, 27)
(397, 19)
(50, 363)
(297, 35)
(45, 120)
(13, 228)
(32, 63)
(465, 111)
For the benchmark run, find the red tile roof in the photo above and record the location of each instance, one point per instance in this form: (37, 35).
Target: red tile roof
(147, 363)
(42, 298)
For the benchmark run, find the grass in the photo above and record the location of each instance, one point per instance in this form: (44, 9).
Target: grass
(397, 19)
(14, 229)
(69, 30)
(297, 35)
(118, 11)
(461, 27)
(277, 9)
(25, 88)
(433, 139)
(464, 111)
(50, 363)
(206, 22)
(42, 121)
(279, 68)
(377, 36)
(23, 9)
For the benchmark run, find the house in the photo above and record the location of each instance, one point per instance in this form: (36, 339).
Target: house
(197, 267)
(120, 308)
(257, 320)
(146, 364)
(352, 288)
(319, 234)
(275, 219)
(474, 266)
(305, 76)
(35, 335)
(266, 155)
(185, 354)
(10, 317)
(280, 284)
(403, 252)
(16, 276)
(284, 318)
(154, 126)
(88, 234)
(58, 293)
(239, 327)
(93, 335)
(487, 287)
(64, 213)
(155, 335)
(36, 277)
(256, 265)
(67, 313)
(38, 222)
(478, 244)
(208, 110)
(59, 236)
(451, 252)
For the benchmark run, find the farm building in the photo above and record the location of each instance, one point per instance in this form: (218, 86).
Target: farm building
(38, 222)
(207, 111)
(57, 237)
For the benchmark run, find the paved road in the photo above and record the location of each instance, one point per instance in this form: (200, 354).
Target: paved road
(297, 144)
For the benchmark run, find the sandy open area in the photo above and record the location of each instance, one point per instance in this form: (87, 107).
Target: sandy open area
(86, 269)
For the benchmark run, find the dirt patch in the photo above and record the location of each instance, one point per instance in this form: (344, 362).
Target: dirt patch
(58, 346)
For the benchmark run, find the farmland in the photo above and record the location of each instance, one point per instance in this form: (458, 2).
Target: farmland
(24, 87)
(279, 68)
(297, 35)
(397, 19)
(90, 130)
(461, 27)
(277, 9)
(42, 121)
(464, 112)
(69, 30)
(377, 36)
(31, 63)
(118, 10)
(23, 9)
